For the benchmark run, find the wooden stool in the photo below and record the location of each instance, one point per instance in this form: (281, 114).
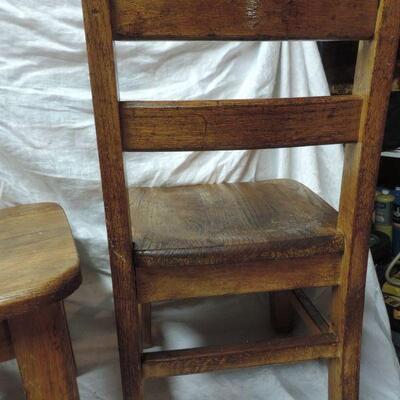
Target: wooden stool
(39, 267)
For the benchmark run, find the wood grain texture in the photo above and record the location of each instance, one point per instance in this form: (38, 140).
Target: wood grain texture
(230, 223)
(168, 283)
(243, 19)
(39, 263)
(184, 247)
(44, 354)
(373, 80)
(239, 124)
(207, 359)
(6, 347)
(100, 51)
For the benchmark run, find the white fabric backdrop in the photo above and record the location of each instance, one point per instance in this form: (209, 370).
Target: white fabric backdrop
(48, 153)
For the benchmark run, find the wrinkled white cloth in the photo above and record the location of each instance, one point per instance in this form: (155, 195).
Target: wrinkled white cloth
(48, 153)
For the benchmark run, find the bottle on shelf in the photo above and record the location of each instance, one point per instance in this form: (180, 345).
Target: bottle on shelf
(384, 212)
(396, 221)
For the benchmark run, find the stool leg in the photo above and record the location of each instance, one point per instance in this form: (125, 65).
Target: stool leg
(44, 354)
(69, 340)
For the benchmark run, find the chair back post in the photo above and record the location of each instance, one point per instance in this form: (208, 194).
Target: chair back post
(108, 131)
(373, 80)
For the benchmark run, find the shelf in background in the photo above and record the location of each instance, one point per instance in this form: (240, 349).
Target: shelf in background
(392, 153)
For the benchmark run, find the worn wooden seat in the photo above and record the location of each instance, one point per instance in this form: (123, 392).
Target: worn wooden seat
(39, 263)
(230, 223)
(39, 267)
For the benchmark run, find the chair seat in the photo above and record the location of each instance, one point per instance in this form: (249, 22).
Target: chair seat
(230, 223)
(38, 259)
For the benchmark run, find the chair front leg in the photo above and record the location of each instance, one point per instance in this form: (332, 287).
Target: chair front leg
(281, 312)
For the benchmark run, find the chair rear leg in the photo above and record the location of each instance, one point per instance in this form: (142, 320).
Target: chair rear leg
(373, 81)
(344, 371)
(344, 378)
(145, 314)
(281, 312)
(130, 348)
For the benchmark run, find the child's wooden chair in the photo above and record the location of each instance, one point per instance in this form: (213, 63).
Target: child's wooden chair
(214, 240)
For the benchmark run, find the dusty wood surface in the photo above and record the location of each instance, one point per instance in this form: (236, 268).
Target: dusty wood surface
(373, 80)
(243, 20)
(38, 259)
(231, 223)
(167, 283)
(206, 359)
(239, 124)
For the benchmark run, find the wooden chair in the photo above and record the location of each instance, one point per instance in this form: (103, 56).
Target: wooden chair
(39, 267)
(214, 240)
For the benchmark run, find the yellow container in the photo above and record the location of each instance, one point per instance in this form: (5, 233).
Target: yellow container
(384, 212)
(387, 229)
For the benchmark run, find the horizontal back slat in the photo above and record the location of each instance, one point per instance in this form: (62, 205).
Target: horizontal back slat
(239, 124)
(243, 19)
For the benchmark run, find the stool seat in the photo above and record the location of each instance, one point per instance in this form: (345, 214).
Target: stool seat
(231, 223)
(39, 264)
